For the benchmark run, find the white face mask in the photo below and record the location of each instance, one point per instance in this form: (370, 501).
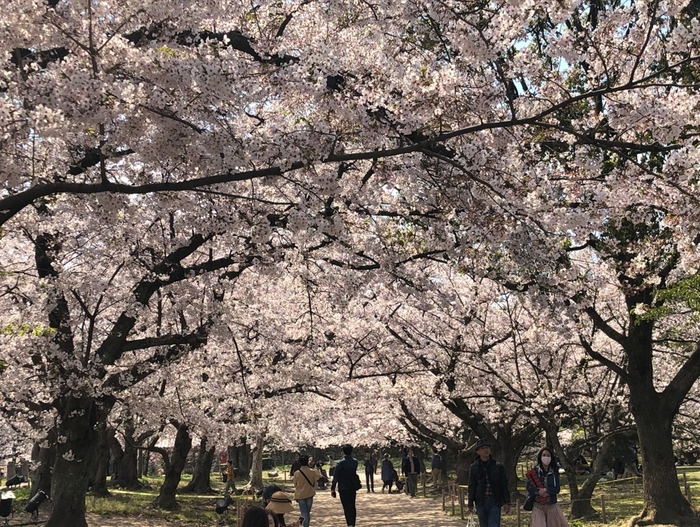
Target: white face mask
(546, 460)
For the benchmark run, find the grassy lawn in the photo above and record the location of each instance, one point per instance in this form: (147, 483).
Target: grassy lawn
(622, 499)
(194, 509)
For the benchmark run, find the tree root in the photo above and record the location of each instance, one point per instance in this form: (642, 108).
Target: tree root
(649, 517)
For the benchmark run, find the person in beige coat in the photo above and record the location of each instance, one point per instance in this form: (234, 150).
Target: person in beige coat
(305, 488)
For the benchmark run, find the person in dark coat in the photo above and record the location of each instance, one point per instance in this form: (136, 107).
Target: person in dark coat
(388, 473)
(296, 465)
(346, 479)
(488, 487)
(410, 466)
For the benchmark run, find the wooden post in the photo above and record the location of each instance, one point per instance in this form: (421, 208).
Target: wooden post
(452, 497)
(602, 509)
(461, 502)
(687, 491)
(444, 497)
(424, 477)
(518, 520)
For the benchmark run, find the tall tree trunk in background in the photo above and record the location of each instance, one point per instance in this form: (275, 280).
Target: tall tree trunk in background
(144, 457)
(127, 466)
(256, 480)
(173, 469)
(100, 463)
(241, 457)
(201, 475)
(581, 506)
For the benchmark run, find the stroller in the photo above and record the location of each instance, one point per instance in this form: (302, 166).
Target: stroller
(400, 483)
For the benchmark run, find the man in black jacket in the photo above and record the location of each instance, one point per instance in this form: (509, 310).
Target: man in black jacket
(488, 487)
(346, 479)
(410, 466)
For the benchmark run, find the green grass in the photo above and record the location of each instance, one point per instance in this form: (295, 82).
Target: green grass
(194, 509)
(622, 498)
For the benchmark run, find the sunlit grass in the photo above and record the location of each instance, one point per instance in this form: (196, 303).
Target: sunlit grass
(621, 499)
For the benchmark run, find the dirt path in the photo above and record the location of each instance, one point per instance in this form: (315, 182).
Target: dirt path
(373, 510)
(382, 510)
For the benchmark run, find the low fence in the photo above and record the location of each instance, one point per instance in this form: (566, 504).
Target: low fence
(454, 499)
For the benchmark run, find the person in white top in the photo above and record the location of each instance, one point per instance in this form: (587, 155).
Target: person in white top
(305, 488)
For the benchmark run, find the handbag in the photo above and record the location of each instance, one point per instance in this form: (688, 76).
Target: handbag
(471, 522)
(358, 483)
(529, 502)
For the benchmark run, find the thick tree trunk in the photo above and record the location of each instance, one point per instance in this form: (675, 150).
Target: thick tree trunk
(508, 454)
(126, 460)
(256, 480)
(581, 506)
(241, 457)
(663, 500)
(43, 459)
(76, 443)
(201, 475)
(173, 470)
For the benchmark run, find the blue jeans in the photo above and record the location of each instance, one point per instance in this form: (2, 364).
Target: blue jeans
(305, 509)
(489, 513)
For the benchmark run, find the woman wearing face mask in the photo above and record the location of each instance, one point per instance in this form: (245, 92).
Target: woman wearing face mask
(543, 484)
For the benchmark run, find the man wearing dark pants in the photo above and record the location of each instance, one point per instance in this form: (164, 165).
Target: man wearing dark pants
(370, 469)
(410, 466)
(346, 479)
(488, 487)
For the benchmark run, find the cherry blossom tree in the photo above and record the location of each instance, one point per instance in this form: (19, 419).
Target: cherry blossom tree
(513, 136)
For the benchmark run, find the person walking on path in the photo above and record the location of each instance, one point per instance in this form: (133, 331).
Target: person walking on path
(304, 481)
(346, 479)
(411, 468)
(436, 468)
(543, 484)
(388, 473)
(230, 478)
(370, 469)
(488, 487)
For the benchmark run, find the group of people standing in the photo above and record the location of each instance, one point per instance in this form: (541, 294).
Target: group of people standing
(487, 487)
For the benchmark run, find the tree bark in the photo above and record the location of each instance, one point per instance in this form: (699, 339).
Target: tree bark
(201, 475)
(100, 464)
(663, 499)
(507, 451)
(173, 469)
(127, 459)
(76, 444)
(241, 457)
(256, 480)
(43, 459)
